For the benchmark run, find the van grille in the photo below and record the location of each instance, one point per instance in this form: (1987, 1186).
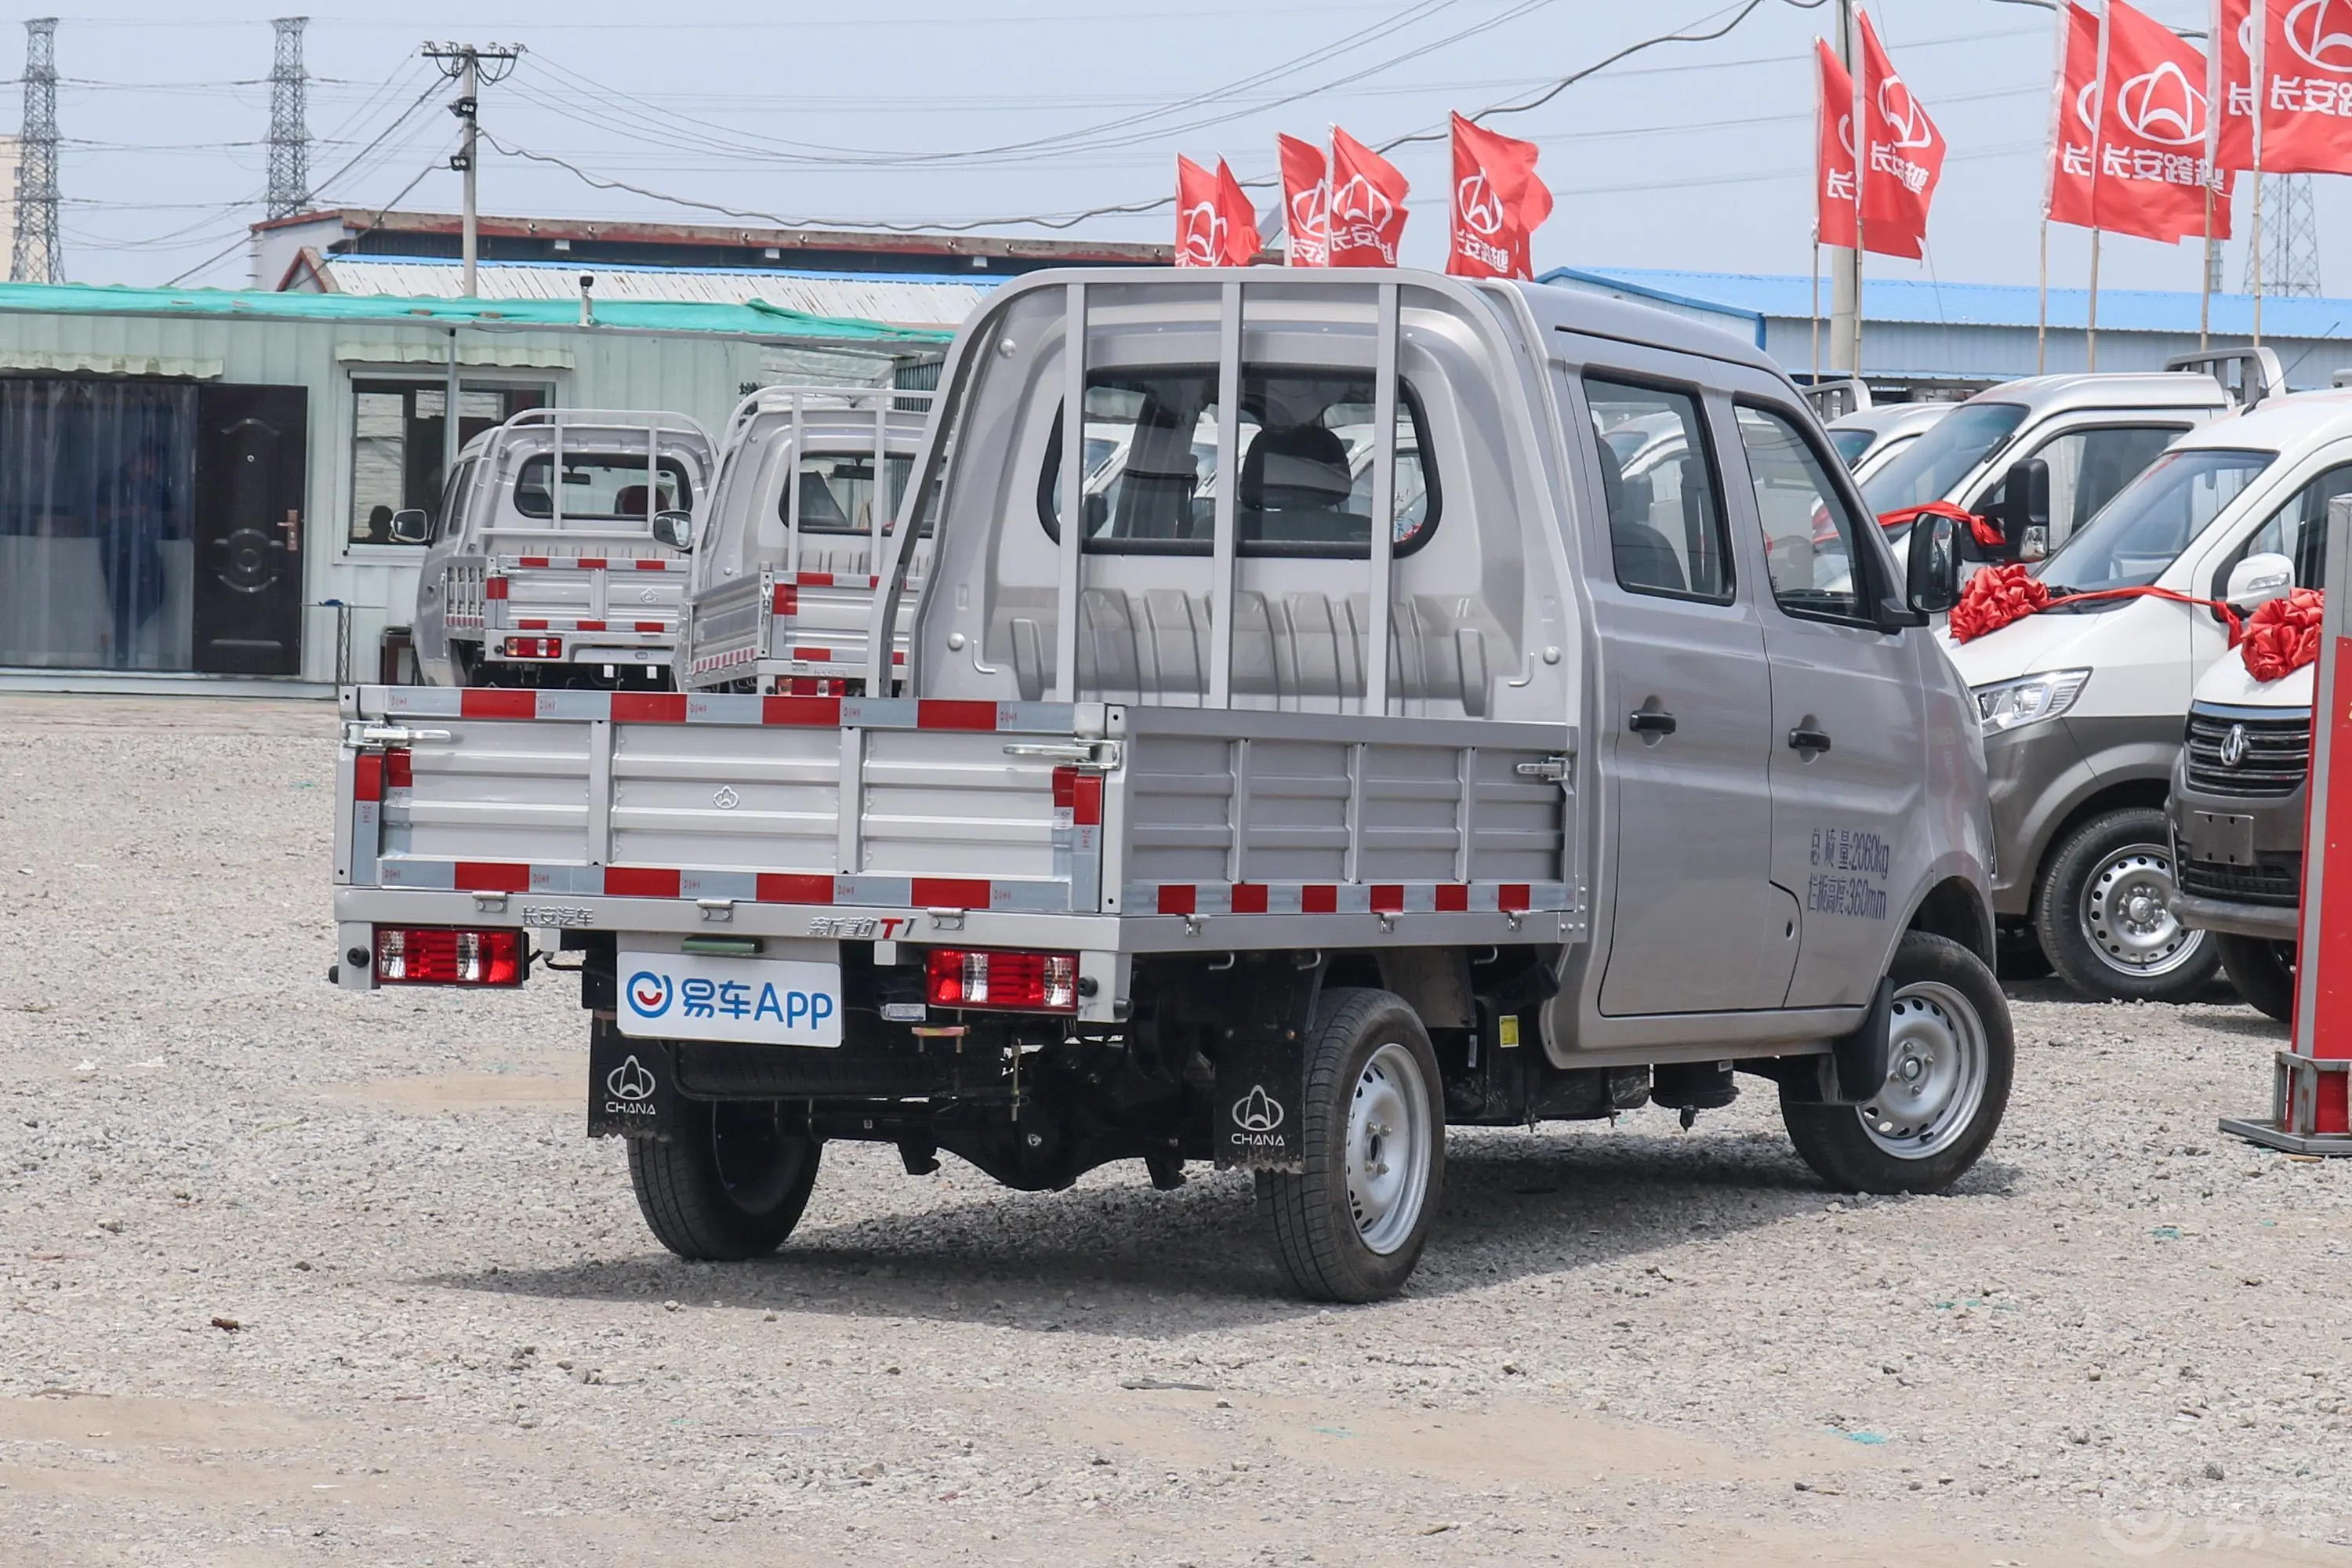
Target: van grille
(2277, 880)
(2277, 756)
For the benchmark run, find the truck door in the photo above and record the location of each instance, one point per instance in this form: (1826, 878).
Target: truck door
(2092, 456)
(1696, 925)
(1848, 746)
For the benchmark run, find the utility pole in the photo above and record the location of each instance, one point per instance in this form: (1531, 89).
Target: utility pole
(465, 64)
(38, 257)
(290, 129)
(1845, 266)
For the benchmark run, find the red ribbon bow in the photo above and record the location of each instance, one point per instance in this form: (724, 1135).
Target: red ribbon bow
(1985, 532)
(2284, 635)
(1999, 595)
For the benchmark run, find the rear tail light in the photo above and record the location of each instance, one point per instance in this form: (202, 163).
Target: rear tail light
(438, 956)
(1014, 982)
(534, 648)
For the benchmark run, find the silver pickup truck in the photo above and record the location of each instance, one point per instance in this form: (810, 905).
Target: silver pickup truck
(1245, 820)
(555, 560)
(784, 567)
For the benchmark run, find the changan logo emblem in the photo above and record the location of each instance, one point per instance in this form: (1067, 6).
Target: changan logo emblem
(1361, 202)
(1204, 234)
(2321, 32)
(1258, 1111)
(2162, 107)
(1481, 208)
(1903, 117)
(1310, 214)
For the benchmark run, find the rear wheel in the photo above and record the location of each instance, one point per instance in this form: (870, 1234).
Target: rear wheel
(2105, 914)
(1949, 1059)
(729, 1183)
(1350, 1224)
(2263, 971)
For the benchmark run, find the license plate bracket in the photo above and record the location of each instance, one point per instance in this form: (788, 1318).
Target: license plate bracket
(746, 1001)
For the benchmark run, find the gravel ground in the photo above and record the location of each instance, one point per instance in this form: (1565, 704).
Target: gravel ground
(292, 1275)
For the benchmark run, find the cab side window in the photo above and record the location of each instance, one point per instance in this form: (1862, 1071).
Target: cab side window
(2087, 468)
(1663, 495)
(1811, 540)
(2298, 531)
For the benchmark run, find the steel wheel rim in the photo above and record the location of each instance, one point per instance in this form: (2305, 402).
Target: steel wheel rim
(1937, 1060)
(748, 1149)
(1390, 1138)
(2127, 914)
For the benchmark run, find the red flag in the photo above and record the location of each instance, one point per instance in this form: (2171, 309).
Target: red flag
(1498, 203)
(1905, 159)
(1367, 211)
(1306, 203)
(2129, 156)
(1215, 225)
(1833, 194)
(2304, 71)
(2230, 84)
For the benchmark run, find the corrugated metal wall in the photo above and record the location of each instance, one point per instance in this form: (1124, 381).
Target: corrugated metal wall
(374, 586)
(1999, 354)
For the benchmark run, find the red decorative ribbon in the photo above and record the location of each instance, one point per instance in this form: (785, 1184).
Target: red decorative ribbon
(1987, 532)
(1997, 595)
(2282, 636)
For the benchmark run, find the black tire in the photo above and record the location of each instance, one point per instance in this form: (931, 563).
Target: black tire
(1870, 1149)
(2263, 971)
(729, 1184)
(2096, 875)
(1331, 1250)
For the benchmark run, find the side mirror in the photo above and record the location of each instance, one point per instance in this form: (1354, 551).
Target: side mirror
(412, 527)
(1097, 513)
(675, 529)
(2024, 515)
(2259, 579)
(1932, 569)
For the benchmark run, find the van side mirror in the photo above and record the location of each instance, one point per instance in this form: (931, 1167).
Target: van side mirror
(412, 527)
(2024, 515)
(675, 529)
(1932, 569)
(2259, 579)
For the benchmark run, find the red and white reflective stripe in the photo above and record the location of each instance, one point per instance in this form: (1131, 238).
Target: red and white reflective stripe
(719, 708)
(1344, 897)
(818, 889)
(833, 580)
(584, 563)
(634, 628)
(495, 588)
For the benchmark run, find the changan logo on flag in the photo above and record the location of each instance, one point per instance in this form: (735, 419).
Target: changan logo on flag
(1200, 234)
(1215, 226)
(1498, 204)
(2321, 32)
(2160, 106)
(1480, 208)
(1367, 204)
(1904, 119)
(1306, 203)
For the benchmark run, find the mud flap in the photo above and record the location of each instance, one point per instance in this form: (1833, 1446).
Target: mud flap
(1260, 1091)
(1852, 1072)
(631, 1085)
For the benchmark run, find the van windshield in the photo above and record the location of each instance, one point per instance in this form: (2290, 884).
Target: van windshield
(2156, 517)
(1942, 458)
(1852, 442)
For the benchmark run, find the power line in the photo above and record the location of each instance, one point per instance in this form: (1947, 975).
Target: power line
(290, 130)
(39, 254)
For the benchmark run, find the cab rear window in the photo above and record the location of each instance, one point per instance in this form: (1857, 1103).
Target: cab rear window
(607, 488)
(1304, 465)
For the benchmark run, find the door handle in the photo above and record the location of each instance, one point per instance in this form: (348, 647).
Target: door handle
(1643, 722)
(1804, 739)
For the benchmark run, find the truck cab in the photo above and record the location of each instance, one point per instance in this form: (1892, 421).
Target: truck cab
(2083, 704)
(1260, 816)
(546, 565)
(1868, 438)
(811, 482)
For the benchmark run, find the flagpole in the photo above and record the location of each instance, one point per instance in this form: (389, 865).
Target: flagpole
(2041, 319)
(2048, 190)
(2205, 276)
(1816, 305)
(1845, 263)
(2262, 12)
(2098, 156)
(2215, 109)
(1860, 71)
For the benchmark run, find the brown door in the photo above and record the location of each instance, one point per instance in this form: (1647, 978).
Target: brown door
(250, 473)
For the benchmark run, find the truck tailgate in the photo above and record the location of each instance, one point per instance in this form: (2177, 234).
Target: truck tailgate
(612, 599)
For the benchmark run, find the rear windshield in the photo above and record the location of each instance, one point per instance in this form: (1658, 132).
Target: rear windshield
(836, 491)
(2156, 517)
(1942, 458)
(604, 487)
(1304, 465)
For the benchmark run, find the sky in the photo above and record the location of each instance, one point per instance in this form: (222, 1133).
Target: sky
(923, 112)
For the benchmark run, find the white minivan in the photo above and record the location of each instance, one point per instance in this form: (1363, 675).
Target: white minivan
(2083, 704)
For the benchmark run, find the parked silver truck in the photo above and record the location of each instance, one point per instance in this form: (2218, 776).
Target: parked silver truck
(810, 479)
(556, 558)
(1275, 833)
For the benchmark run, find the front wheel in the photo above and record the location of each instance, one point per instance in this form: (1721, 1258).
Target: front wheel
(2263, 971)
(2105, 914)
(1350, 1224)
(1950, 1055)
(729, 1183)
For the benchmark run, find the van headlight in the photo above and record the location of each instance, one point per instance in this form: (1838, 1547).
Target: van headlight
(2029, 699)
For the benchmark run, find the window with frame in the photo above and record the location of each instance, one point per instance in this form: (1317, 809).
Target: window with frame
(1811, 538)
(398, 444)
(1305, 466)
(837, 494)
(603, 487)
(2297, 530)
(1663, 496)
(2088, 468)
